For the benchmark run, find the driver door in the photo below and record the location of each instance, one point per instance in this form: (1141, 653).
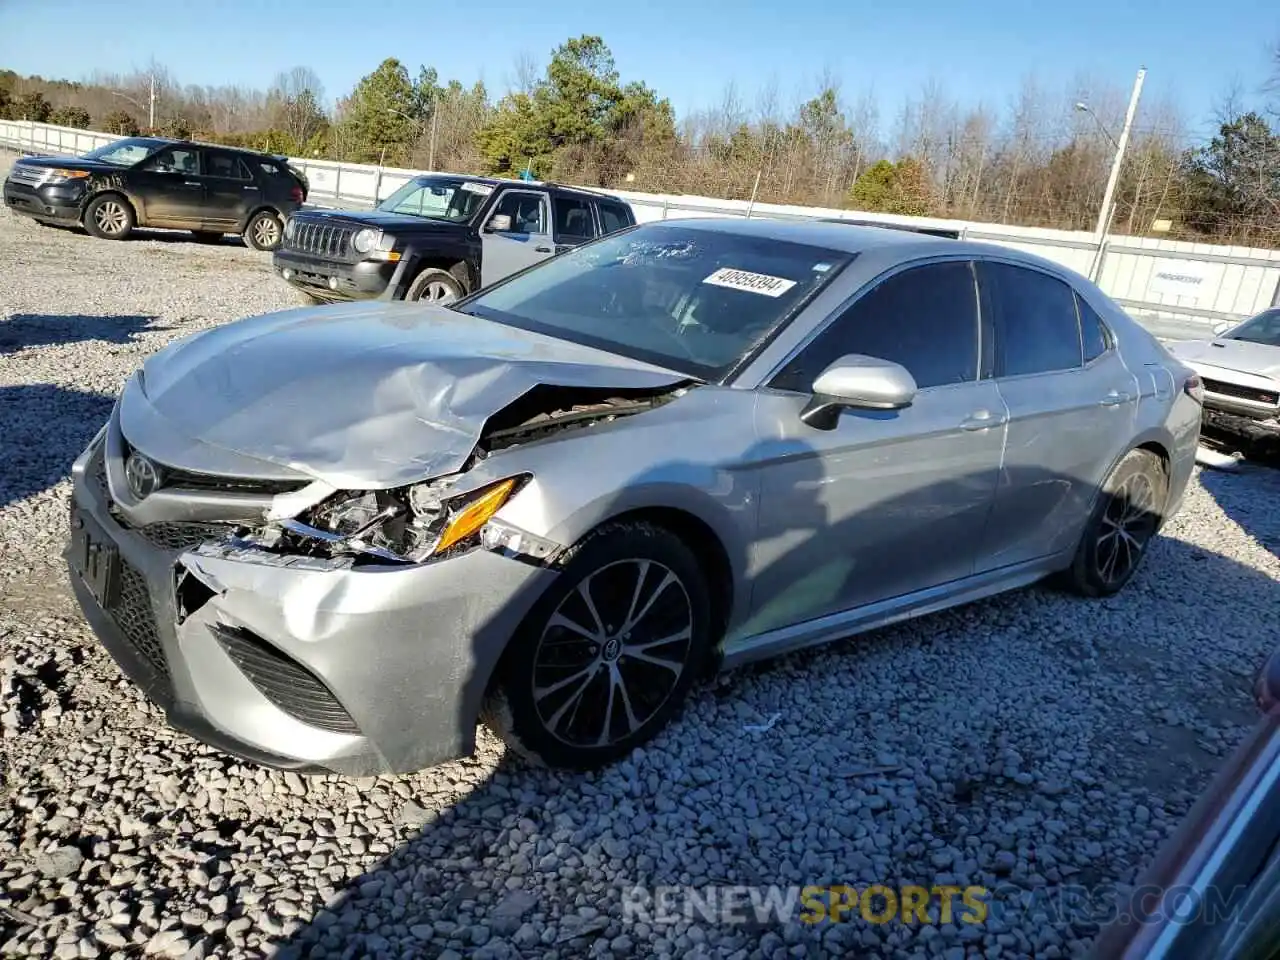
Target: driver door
(170, 190)
(887, 502)
(525, 237)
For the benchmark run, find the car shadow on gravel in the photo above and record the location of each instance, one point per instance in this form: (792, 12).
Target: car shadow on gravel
(22, 330)
(1236, 492)
(45, 427)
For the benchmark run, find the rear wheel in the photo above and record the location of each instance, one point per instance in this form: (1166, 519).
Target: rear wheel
(607, 656)
(1127, 515)
(264, 231)
(109, 217)
(435, 286)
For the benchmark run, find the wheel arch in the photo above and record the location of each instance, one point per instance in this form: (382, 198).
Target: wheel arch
(260, 208)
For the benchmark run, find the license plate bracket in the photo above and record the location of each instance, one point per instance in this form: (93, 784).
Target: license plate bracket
(95, 559)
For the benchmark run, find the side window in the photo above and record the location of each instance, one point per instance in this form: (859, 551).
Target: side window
(925, 318)
(225, 165)
(174, 160)
(1037, 329)
(1093, 332)
(528, 211)
(573, 219)
(612, 217)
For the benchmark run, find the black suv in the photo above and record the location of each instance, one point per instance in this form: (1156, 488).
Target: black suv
(440, 237)
(158, 182)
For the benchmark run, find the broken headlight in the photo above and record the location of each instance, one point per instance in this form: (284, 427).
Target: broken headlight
(409, 525)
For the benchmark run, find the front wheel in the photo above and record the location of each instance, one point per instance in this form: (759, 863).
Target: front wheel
(264, 231)
(109, 217)
(1127, 515)
(607, 656)
(434, 286)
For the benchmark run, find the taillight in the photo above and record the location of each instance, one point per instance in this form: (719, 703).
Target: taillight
(296, 195)
(1193, 387)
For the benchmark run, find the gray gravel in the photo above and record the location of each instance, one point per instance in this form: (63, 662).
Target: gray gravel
(1023, 743)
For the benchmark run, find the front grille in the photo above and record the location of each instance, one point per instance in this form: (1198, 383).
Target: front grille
(319, 239)
(176, 535)
(285, 682)
(1252, 394)
(176, 478)
(22, 173)
(132, 613)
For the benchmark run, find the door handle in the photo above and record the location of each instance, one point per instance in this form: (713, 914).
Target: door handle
(248, 188)
(542, 250)
(192, 183)
(982, 420)
(1115, 398)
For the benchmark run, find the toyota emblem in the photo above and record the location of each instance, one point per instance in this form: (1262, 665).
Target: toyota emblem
(143, 475)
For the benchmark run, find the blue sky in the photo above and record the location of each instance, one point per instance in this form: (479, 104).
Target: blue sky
(978, 51)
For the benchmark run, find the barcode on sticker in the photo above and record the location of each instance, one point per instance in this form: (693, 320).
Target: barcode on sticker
(752, 282)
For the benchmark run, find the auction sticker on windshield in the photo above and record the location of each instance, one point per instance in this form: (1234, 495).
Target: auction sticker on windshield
(751, 282)
(481, 188)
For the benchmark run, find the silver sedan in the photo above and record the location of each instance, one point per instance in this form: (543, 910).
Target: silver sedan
(335, 538)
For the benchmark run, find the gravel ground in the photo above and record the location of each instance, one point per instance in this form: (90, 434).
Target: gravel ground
(1024, 743)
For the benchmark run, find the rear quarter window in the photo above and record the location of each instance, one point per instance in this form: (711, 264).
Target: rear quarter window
(614, 216)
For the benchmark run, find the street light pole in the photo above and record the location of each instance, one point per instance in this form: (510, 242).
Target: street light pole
(1108, 198)
(435, 115)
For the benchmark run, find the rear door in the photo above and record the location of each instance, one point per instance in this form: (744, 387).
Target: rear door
(169, 189)
(230, 190)
(524, 238)
(574, 222)
(1071, 402)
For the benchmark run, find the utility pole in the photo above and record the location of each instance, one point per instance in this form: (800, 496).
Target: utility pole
(151, 115)
(1108, 198)
(435, 116)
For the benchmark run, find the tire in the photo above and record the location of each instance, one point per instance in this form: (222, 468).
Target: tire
(264, 231)
(109, 217)
(536, 703)
(1129, 512)
(434, 285)
(206, 236)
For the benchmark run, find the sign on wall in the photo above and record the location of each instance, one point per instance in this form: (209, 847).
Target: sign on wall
(1178, 278)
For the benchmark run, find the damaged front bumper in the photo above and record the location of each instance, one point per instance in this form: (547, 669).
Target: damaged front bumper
(1253, 429)
(297, 663)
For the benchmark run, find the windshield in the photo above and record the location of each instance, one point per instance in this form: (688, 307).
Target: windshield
(688, 299)
(438, 198)
(1264, 328)
(124, 153)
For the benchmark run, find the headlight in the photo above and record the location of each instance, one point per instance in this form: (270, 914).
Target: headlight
(409, 525)
(365, 240)
(60, 175)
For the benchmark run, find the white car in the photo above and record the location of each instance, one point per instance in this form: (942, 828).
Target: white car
(1240, 368)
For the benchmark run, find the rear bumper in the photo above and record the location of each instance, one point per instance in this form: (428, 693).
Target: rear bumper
(61, 204)
(330, 280)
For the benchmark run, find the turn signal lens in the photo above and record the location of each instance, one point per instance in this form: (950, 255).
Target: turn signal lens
(475, 515)
(58, 173)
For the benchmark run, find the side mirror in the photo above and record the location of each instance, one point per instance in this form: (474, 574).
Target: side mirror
(858, 382)
(1221, 326)
(501, 223)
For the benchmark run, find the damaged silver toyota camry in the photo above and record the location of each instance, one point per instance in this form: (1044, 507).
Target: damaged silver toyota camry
(337, 538)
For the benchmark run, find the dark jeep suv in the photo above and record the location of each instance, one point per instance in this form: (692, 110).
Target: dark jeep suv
(158, 182)
(439, 237)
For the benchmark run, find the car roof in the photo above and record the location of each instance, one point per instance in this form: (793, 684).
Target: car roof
(858, 238)
(513, 182)
(216, 146)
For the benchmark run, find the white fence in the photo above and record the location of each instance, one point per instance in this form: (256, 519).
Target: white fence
(1188, 283)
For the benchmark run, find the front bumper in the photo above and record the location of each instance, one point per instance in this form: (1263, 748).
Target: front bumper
(1251, 428)
(61, 203)
(334, 280)
(353, 671)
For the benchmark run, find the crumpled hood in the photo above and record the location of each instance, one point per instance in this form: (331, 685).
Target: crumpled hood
(358, 395)
(1256, 358)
